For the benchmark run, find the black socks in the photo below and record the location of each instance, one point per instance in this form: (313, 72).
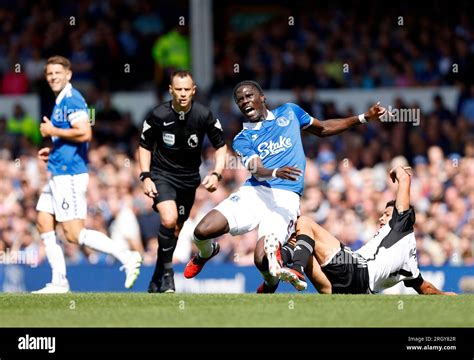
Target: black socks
(303, 250)
(166, 245)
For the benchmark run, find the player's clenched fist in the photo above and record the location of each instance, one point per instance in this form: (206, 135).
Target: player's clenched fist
(395, 173)
(375, 112)
(46, 127)
(149, 188)
(211, 182)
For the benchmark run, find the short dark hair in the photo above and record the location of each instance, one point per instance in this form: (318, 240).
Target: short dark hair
(181, 74)
(390, 203)
(247, 82)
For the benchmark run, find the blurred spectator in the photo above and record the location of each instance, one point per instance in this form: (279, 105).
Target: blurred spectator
(14, 83)
(170, 51)
(21, 123)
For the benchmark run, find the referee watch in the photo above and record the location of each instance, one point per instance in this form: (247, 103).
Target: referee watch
(219, 176)
(145, 175)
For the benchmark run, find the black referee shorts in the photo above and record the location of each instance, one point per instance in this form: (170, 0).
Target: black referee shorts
(184, 198)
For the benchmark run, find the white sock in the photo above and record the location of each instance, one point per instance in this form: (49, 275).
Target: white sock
(101, 242)
(55, 256)
(204, 246)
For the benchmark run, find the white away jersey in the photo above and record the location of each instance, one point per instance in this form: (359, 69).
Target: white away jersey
(391, 253)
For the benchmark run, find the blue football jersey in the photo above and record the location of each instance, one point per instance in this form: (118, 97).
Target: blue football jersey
(277, 141)
(67, 157)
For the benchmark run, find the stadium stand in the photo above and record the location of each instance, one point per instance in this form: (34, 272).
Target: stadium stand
(346, 182)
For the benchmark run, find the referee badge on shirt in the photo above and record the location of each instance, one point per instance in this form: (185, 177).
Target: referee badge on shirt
(193, 141)
(168, 138)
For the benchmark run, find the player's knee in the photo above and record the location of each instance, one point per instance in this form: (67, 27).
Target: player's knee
(169, 222)
(71, 235)
(306, 226)
(303, 223)
(203, 229)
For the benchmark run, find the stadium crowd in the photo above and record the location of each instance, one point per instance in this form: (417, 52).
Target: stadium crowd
(118, 44)
(346, 187)
(346, 181)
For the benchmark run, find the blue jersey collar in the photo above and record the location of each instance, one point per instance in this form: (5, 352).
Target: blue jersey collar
(257, 125)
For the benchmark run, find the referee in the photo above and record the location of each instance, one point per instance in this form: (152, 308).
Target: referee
(170, 156)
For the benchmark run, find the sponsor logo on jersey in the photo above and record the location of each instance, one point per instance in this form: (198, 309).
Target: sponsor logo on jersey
(168, 139)
(282, 121)
(254, 136)
(273, 148)
(218, 125)
(193, 141)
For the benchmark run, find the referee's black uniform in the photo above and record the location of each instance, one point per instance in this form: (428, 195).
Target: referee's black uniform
(176, 139)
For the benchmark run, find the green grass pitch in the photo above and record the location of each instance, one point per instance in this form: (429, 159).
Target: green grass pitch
(249, 310)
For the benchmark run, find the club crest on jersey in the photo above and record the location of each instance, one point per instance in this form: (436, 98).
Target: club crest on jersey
(168, 139)
(272, 148)
(282, 121)
(193, 141)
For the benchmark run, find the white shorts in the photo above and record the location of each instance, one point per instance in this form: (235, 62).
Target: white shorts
(64, 196)
(273, 210)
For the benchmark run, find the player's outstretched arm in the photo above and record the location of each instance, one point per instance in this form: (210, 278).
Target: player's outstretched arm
(256, 167)
(427, 288)
(336, 126)
(402, 175)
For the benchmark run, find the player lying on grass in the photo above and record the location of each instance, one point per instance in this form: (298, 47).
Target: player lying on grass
(388, 258)
(270, 146)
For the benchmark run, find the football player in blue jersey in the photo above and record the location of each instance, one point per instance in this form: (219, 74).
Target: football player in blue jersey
(270, 147)
(63, 199)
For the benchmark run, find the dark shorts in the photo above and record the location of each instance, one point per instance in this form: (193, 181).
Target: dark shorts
(347, 272)
(184, 197)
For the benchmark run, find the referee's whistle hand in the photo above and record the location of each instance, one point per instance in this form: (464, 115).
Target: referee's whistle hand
(210, 183)
(149, 188)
